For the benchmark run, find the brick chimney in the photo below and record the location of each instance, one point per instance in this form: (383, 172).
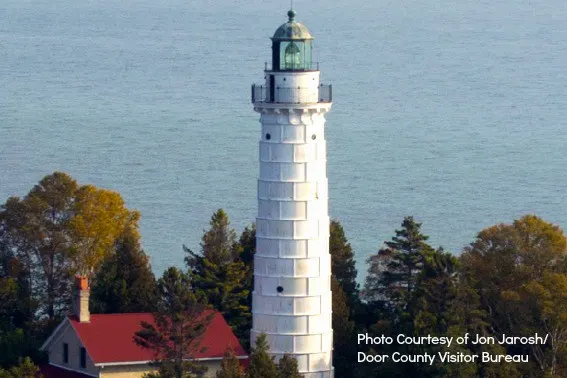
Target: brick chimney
(81, 299)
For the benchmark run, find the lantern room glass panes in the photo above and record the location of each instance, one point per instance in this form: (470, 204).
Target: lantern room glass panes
(295, 55)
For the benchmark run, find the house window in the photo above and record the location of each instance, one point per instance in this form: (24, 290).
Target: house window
(83, 356)
(65, 353)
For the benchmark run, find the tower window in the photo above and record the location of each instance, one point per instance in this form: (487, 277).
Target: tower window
(313, 136)
(268, 136)
(279, 289)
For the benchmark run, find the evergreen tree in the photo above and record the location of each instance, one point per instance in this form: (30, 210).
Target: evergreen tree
(434, 294)
(262, 365)
(246, 249)
(179, 325)
(219, 275)
(413, 288)
(287, 368)
(342, 263)
(18, 336)
(230, 366)
(217, 244)
(25, 369)
(246, 246)
(125, 283)
(344, 342)
(393, 272)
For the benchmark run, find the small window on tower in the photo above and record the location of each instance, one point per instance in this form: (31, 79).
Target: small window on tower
(313, 136)
(280, 289)
(268, 136)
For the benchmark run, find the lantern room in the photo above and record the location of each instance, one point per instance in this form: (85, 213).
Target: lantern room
(292, 46)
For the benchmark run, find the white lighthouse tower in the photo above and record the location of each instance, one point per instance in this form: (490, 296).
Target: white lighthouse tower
(292, 268)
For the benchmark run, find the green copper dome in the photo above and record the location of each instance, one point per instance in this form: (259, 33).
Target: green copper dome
(292, 30)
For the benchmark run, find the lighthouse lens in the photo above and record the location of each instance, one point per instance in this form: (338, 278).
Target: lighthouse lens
(292, 56)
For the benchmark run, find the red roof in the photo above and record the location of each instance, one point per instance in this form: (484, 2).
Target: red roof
(50, 371)
(109, 338)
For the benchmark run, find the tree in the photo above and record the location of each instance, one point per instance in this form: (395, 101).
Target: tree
(16, 306)
(343, 264)
(58, 229)
(218, 274)
(262, 365)
(287, 368)
(39, 234)
(344, 343)
(100, 218)
(393, 271)
(25, 369)
(17, 329)
(518, 272)
(245, 249)
(541, 307)
(125, 282)
(217, 244)
(435, 292)
(230, 366)
(412, 287)
(179, 324)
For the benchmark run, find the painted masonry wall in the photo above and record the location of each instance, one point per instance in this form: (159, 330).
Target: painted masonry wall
(292, 231)
(55, 352)
(296, 87)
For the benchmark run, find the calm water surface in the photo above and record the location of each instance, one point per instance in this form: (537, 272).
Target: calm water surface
(454, 112)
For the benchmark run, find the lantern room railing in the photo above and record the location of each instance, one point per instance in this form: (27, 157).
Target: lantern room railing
(288, 95)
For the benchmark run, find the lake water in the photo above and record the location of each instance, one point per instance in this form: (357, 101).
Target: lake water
(454, 112)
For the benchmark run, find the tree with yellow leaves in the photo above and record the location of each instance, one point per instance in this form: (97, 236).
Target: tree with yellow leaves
(519, 271)
(60, 228)
(100, 218)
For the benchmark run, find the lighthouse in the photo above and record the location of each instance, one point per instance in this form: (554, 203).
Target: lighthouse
(292, 267)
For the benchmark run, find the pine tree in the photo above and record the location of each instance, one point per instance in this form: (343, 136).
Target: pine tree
(434, 294)
(180, 322)
(246, 249)
(230, 366)
(287, 368)
(343, 264)
(262, 365)
(402, 278)
(217, 244)
(246, 246)
(25, 369)
(219, 275)
(125, 283)
(394, 270)
(344, 343)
